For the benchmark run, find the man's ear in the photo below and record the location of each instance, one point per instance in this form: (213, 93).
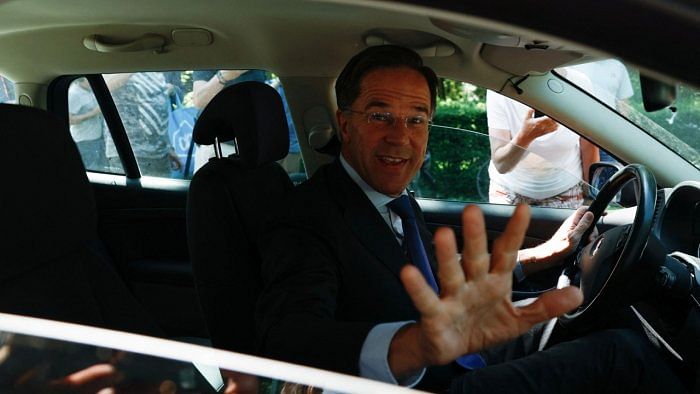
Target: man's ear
(342, 125)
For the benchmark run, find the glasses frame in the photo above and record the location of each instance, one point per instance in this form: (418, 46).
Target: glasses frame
(390, 115)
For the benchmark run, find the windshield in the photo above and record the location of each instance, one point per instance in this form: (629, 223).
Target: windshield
(617, 86)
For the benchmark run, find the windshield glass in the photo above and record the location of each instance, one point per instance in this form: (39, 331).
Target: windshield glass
(677, 127)
(7, 91)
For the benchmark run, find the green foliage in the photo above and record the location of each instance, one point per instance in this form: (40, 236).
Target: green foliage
(458, 145)
(683, 123)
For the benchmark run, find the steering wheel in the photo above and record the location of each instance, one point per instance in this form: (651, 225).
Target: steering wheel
(607, 268)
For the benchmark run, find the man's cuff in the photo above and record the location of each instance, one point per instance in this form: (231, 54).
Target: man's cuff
(374, 357)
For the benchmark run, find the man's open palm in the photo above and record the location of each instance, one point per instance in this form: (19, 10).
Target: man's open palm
(474, 310)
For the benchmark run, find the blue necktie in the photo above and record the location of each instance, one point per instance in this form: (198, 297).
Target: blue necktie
(402, 207)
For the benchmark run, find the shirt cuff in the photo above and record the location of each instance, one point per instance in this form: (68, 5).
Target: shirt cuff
(518, 273)
(374, 356)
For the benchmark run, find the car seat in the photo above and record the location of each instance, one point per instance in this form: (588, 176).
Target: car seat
(49, 266)
(228, 203)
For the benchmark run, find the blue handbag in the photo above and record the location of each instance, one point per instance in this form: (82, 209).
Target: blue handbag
(181, 122)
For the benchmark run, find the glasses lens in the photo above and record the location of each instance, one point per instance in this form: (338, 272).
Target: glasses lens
(416, 121)
(380, 118)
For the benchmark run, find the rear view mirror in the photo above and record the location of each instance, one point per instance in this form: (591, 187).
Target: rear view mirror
(656, 94)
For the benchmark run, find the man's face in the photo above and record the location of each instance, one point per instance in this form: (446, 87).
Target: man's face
(386, 156)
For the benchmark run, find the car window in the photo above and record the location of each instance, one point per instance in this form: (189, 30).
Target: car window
(88, 127)
(158, 111)
(617, 85)
(43, 356)
(7, 90)
(459, 165)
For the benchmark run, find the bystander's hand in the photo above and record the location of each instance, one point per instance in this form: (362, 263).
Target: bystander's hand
(174, 159)
(534, 128)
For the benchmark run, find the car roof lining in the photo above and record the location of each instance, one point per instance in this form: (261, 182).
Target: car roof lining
(276, 35)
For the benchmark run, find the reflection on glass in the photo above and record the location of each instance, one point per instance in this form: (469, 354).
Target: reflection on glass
(40, 365)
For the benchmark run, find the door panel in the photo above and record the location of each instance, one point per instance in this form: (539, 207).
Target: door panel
(543, 224)
(143, 230)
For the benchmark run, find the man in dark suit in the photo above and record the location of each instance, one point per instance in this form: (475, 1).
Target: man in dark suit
(339, 293)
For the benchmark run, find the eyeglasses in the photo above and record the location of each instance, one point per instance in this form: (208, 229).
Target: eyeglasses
(418, 122)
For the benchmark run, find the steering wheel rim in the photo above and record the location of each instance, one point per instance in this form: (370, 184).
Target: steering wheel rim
(603, 274)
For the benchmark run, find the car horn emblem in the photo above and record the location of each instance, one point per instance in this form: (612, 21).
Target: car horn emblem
(597, 244)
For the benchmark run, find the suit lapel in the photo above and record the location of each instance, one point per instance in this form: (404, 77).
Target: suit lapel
(364, 221)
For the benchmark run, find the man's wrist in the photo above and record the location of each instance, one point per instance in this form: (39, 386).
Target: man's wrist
(374, 356)
(405, 357)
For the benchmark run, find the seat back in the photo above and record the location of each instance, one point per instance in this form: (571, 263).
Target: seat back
(48, 264)
(228, 203)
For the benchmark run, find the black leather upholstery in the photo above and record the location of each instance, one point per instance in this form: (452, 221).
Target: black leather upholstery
(227, 206)
(48, 267)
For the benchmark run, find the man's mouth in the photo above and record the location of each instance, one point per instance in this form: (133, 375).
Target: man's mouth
(391, 160)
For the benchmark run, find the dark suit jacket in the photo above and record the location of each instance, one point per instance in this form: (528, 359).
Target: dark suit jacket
(331, 270)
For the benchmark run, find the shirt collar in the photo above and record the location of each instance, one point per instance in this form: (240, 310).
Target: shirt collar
(379, 200)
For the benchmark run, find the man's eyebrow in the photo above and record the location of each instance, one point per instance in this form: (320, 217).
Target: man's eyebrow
(382, 104)
(376, 103)
(421, 108)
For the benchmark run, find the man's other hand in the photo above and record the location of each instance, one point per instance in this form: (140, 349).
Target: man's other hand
(562, 243)
(473, 310)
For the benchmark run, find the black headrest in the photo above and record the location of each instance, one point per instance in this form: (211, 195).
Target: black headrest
(47, 204)
(252, 113)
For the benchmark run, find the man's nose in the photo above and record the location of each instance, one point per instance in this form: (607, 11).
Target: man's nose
(398, 133)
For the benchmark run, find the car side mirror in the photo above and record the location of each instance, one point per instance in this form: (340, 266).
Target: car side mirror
(599, 173)
(656, 94)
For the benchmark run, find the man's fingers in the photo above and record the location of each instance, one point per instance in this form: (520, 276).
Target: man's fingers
(576, 217)
(583, 224)
(449, 271)
(505, 248)
(551, 304)
(475, 255)
(594, 235)
(422, 295)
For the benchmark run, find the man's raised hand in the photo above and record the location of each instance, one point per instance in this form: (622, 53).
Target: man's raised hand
(473, 310)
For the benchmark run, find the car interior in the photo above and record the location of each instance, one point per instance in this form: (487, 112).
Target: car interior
(177, 258)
